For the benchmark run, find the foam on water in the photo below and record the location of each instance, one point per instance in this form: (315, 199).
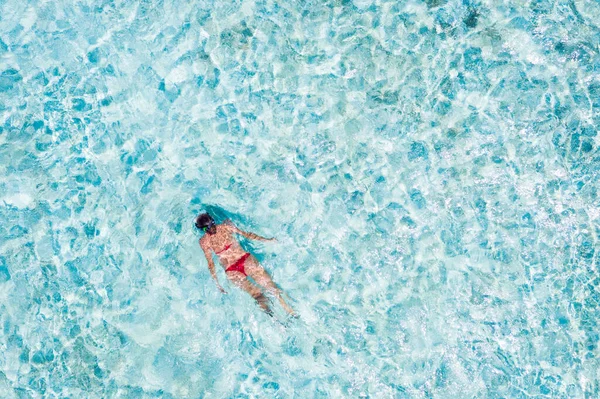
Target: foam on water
(430, 169)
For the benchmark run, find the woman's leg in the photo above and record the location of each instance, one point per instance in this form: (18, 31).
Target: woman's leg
(255, 270)
(241, 281)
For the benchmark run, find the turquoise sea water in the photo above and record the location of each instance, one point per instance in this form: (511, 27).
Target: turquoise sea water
(430, 169)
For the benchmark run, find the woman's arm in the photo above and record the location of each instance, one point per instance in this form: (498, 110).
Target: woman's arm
(211, 265)
(246, 234)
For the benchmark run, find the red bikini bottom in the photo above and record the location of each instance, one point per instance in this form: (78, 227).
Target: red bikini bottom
(238, 265)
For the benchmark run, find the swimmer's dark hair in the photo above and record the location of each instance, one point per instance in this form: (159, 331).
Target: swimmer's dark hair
(203, 220)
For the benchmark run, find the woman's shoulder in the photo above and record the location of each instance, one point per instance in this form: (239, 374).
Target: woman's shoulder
(227, 226)
(204, 240)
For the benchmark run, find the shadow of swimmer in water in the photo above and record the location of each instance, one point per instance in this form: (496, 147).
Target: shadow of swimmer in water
(238, 264)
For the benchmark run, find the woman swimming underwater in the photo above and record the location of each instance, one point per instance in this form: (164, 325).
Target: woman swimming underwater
(238, 264)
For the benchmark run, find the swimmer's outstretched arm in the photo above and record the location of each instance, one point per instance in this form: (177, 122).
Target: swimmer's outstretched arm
(211, 266)
(246, 234)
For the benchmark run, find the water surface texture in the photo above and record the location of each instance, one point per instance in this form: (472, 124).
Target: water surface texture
(430, 169)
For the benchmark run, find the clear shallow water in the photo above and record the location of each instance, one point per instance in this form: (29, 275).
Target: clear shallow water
(430, 169)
